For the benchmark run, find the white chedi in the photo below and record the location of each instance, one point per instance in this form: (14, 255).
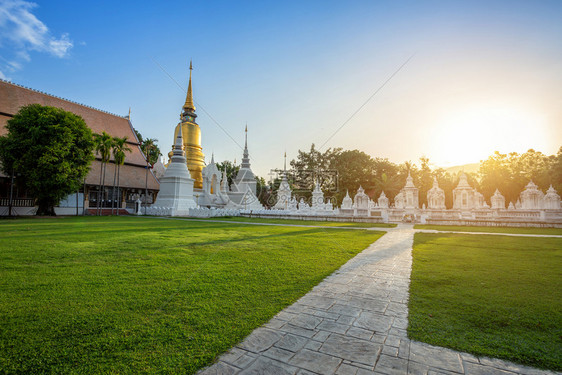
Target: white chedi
(245, 178)
(436, 196)
(408, 197)
(498, 201)
(361, 200)
(283, 194)
(212, 194)
(176, 185)
(383, 201)
(347, 202)
(531, 198)
(465, 197)
(551, 200)
(317, 197)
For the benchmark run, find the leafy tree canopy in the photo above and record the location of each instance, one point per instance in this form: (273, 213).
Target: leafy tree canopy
(51, 149)
(149, 147)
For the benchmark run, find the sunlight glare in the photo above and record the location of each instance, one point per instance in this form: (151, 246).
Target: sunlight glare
(472, 135)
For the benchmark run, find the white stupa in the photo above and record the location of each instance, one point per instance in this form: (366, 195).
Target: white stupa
(284, 192)
(176, 186)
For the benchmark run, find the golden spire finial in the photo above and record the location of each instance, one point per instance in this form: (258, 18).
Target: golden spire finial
(189, 99)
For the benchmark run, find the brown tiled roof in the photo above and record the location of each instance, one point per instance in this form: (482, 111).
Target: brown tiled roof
(13, 97)
(131, 176)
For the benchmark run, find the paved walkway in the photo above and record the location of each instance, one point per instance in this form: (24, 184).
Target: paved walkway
(354, 322)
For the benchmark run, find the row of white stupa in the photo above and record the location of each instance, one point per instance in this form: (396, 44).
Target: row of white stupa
(467, 203)
(465, 197)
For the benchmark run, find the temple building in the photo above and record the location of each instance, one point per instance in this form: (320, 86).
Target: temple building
(191, 134)
(132, 173)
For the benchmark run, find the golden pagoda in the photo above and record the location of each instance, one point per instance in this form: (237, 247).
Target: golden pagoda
(191, 134)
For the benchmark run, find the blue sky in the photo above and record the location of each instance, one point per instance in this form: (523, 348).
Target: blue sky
(484, 76)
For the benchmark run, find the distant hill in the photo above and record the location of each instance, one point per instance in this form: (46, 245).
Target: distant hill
(467, 168)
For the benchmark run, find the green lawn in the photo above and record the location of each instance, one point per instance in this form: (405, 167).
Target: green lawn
(146, 295)
(490, 296)
(304, 222)
(460, 228)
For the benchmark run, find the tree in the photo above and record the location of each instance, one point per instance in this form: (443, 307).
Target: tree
(555, 170)
(308, 166)
(425, 180)
(390, 185)
(52, 151)
(119, 149)
(355, 168)
(151, 153)
(103, 145)
(230, 168)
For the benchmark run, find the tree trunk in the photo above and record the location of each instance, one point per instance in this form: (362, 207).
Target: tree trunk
(146, 188)
(99, 192)
(103, 188)
(46, 208)
(118, 192)
(113, 189)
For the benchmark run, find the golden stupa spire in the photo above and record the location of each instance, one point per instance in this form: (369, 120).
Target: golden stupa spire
(189, 99)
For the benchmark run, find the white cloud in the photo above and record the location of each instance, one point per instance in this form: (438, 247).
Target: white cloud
(22, 32)
(61, 46)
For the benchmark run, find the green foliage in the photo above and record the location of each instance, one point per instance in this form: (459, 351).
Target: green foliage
(494, 296)
(93, 295)
(353, 168)
(139, 136)
(119, 149)
(510, 173)
(103, 143)
(150, 150)
(51, 149)
(231, 170)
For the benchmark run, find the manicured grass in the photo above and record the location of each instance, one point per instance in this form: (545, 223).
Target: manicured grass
(145, 295)
(306, 222)
(494, 296)
(460, 228)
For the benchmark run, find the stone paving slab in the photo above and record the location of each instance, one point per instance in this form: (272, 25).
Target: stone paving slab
(354, 323)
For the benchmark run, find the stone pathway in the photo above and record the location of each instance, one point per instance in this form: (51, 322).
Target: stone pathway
(354, 323)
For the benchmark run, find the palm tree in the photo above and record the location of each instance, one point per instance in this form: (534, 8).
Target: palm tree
(119, 149)
(103, 145)
(390, 185)
(151, 153)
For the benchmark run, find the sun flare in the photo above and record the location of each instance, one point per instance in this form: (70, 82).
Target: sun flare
(471, 135)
